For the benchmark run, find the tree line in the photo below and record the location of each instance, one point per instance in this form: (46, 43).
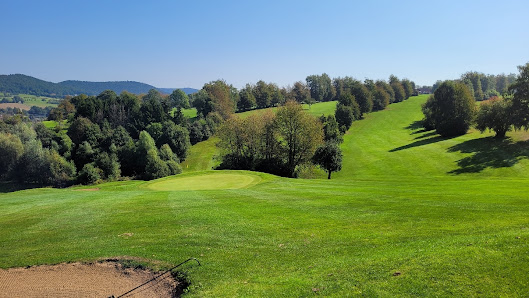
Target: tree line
(452, 109)
(109, 136)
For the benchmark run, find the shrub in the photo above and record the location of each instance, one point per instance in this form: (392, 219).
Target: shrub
(89, 174)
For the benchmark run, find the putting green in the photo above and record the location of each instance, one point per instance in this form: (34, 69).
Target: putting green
(206, 181)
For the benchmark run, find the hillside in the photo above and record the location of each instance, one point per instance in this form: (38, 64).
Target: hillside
(22, 84)
(410, 215)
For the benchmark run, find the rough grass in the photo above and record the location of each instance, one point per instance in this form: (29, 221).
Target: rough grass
(399, 220)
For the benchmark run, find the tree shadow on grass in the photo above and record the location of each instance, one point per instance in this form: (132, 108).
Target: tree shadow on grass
(416, 125)
(420, 142)
(489, 152)
(6, 187)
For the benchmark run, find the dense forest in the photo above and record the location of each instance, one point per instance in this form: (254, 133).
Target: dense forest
(22, 84)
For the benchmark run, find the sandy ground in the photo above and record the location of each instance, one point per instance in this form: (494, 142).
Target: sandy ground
(82, 280)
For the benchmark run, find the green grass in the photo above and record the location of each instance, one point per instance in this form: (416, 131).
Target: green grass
(39, 101)
(403, 218)
(190, 113)
(202, 156)
(317, 109)
(206, 181)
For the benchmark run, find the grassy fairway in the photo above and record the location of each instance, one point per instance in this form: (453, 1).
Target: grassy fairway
(404, 217)
(317, 109)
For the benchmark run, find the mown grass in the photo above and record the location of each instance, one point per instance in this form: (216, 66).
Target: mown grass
(396, 221)
(317, 109)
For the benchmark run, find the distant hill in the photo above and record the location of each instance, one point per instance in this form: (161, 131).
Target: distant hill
(94, 88)
(22, 84)
(170, 90)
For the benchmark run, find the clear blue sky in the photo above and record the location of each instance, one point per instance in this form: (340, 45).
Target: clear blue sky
(189, 43)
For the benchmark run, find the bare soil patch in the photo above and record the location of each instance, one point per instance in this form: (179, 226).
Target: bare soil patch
(14, 105)
(84, 280)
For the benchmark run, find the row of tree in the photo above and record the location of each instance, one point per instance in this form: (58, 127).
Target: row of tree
(484, 86)
(452, 109)
(370, 95)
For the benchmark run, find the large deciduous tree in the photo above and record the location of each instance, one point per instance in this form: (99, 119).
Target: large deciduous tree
(453, 109)
(300, 133)
(495, 114)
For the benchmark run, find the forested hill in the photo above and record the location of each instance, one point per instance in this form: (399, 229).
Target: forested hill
(22, 84)
(94, 88)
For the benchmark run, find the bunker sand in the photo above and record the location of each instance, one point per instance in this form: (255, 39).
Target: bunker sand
(82, 280)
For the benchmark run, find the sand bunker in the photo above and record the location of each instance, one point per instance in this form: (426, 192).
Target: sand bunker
(83, 280)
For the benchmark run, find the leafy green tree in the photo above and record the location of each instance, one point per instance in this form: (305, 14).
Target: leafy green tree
(89, 174)
(331, 129)
(301, 134)
(453, 109)
(246, 99)
(155, 130)
(262, 94)
(82, 129)
(321, 88)
(177, 137)
(344, 116)
(387, 88)
(428, 122)
(408, 87)
(221, 96)
(363, 97)
(109, 164)
(520, 98)
(328, 157)
(400, 94)
(179, 98)
(300, 92)
(144, 145)
(203, 102)
(349, 100)
(11, 149)
(155, 167)
(380, 99)
(495, 114)
(58, 171)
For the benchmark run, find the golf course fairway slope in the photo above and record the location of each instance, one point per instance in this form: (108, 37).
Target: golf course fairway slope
(410, 214)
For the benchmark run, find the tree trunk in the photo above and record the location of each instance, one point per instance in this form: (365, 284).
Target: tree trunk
(329, 177)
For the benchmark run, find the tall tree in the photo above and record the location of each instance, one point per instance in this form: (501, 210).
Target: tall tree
(453, 109)
(520, 99)
(246, 99)
(301, 134)
(220, 95)
(262, 94)
(179, 98)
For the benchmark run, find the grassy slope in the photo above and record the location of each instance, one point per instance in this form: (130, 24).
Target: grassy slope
(318, 109)
(410, 230)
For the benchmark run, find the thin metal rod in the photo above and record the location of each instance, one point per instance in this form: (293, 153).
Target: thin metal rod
(156, 277)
